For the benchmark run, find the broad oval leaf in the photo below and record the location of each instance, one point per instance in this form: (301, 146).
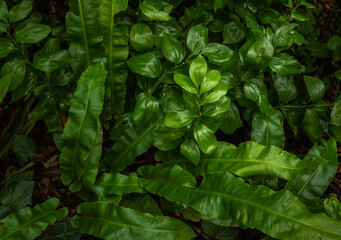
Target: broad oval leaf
(16, 68)
(285, 88)
(156, 10)
(20, 11)
(205, 138)
(6, 46)
(197, 39)
(31, 32)
(172, 49)
(81, 128)
(312, 126)
(215, 94)
(189, 148)
(233, 33)
(145, 108)
(256, 90)
(178, 119)
(28, 223)
(260, 53)
(4, 13)
(315, 87)
(285, 64)
(147, 65)
(186, 83)
(105, 220)
(216, 52)
(211, 80)
(217, 108)
(141, 37)
(197, 70)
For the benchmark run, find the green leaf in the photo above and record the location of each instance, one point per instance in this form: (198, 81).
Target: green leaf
(186, 83)
(156, 10)
(215, 94)
(282, 37)
(117, 183)
(178, 119)
(232, 121)
(24, 148)
(172, 49)
(105, 220)
(146, 107)
(45, 105)
(233, 33)
(307, 4)
(285, 64)
(260, 53)
(225, 197)
(285, 88)
(335, 116)
(142, 203)
(253, 159)
(267, 128)
(312, 126)
(6, 46)
(217, 108)
(332, 206)
(50, 59)
(189, 148)
(315, 87)
(81, 128)
(4, 12)
(16, 68)
(20, 11)
(130, 145)
(211, 80)
(256, 90)
(218, 53)
(115, 40)
(197, 39)
(299, 16)
(205, 138)
(3, 26)
(147, 65)
(4, 84)
(83, 26)
(63, 231)
(29, 32)
(141, 37)
(218, 232)
(334, 43)
(197, 70)
(315, 180)
(28, 223)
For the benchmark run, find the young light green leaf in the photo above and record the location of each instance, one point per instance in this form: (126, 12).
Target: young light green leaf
(216, 52)
(31, 32)
(16, 68)
(178, 119)
(215, 94)
(260, 54)
(233, 33)
(285, 88)
(141, 37)
(186, 83)
(156, 10)
(267, 128)
(117, 183)
(147, 65)
(172, 49)
(6, 46)
(105, 220)
(189, 148)
(211, 80)
(285, 64)
(197, 39)
(315, 87)
(20, 11)
(28, 223)
(205, 138)
(82, 125)
(197, 70)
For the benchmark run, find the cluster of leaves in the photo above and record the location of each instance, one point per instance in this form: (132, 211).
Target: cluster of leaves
(168, 75)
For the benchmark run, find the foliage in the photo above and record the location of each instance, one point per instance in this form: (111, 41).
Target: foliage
(134, 78)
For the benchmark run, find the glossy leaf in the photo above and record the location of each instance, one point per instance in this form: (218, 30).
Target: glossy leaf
(172, 49)
(267, 128)
(332, 206)
(86, 38)
(105, 220)
(282, 35)
(315, 87)
(16, 68)
(31, 32)
(6, 46)
(232, 121)
(3, 11)
(233, 33)
(253, 159)
(218, 108)
(156, 10)
(205, 138)
(178, 119)
(260, 53)
(28, 223)
(211, 80)
(147, 65)
(215, 94)
(285, 88)
(146, 107)
(189, 148)
(197, 70)
(216, 52)
(285, 64)
(197, 39)
(312, 126)
(141, 37)
(186, 83)
(81, 128)
(256, 90)
(117, 184)
(20, 11)
(4, 84)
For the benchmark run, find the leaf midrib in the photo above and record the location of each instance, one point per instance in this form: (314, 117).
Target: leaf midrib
(84, 32)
